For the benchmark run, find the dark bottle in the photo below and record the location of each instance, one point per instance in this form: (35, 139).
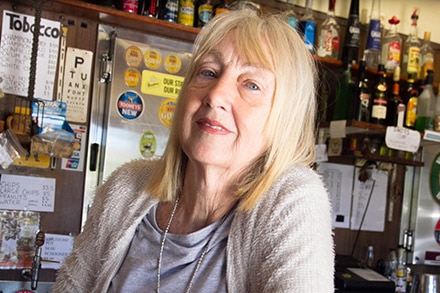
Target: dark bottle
(410, 100)
(350, 50)
(344, 90)
(362, 95)
(395, 106)
(149, 8)
(379, 105)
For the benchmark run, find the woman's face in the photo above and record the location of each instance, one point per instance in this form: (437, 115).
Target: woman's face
(225, 109)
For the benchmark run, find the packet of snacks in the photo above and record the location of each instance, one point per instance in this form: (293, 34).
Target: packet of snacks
(10, 148)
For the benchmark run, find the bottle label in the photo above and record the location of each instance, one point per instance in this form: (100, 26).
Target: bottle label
(186, 12)
(309, 34)
(413, 59)
(328, 43)
(374, 35)
(379, 111)
(130, 6)
(354, 31)
(428, 61)
(171, 10)
(393, 55)
(411, 112)
(205, 12)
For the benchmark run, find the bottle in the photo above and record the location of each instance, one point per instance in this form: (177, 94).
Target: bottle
(372, 49)
(328, 39)
(290, 15)
(204, 12)
(411, 49)
(149, 8)
(222, 6)
(130, 6)
(437, 114)
(395, 106)
(411, 98)
(343, 94)
(186, 12)
(362, 95)
(307, 27)
(170, 10)
(391, 47)
(379, 103)
(369, 258)
(350, 50)
(426, 105)
(401, 271)
(391, 271)
(426, 56)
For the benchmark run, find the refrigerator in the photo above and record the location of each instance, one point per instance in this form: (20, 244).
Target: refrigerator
(137, 79)
(420, 222)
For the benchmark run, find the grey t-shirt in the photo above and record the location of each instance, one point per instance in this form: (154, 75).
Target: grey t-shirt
(138, 272)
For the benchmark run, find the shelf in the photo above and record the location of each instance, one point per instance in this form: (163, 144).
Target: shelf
(355, 127)
(351, 160)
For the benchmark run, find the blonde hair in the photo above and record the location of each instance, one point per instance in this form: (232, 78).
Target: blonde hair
(291, 123)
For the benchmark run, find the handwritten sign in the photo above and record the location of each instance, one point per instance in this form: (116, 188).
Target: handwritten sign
(27, 193)
(55, 249)
(161, 84)
(403, 139)
(16, 51)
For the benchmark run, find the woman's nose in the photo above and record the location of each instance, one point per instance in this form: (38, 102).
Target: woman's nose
(222, 92)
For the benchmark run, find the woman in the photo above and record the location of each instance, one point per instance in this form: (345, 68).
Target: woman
(233, 205)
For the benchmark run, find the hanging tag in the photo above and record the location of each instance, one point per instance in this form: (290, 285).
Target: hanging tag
(401, 138)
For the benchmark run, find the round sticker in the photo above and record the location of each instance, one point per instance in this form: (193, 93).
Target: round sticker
(130, 105)
(133, 56)
(147, 144)
(172, 63)
(434, 178)
(132, 77)
(166, 112)
(152, 59)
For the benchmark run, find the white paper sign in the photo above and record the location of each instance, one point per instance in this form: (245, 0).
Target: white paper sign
(27, 193)
(55, 249)
(403, 139)
(76, 84)
(16, 51)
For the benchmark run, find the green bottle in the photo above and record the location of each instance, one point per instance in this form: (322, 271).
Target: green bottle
(344, 90)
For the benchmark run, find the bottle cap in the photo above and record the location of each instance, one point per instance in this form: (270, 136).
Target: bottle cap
(393, 20)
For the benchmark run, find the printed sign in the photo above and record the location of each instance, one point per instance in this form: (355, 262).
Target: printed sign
(55, 249)
(161, 84)
(16, 51)
(76, 84)
(27, 193)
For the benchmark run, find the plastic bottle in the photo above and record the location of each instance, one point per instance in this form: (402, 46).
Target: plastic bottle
(307, 26)
(426, 105)
(372, 49)
(411, 49)
(391, 46)
(426, 56)
(328, 38)
(350, 50)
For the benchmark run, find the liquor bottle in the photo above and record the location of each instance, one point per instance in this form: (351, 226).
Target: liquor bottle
(426, 105)
(411, 49)
(290, 15)
(307, 26)
(350, 50)
(379, 103)
(410, 100)
(342, 110)
(186, 12)
(328, 39)
(391, 47)
(362, 95)
(372, 49)
(203, 12)
(395, 106)
(401, 271)
(170, 10)
(149, 8)
(426, 56)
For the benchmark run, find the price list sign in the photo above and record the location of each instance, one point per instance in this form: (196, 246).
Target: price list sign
(27, 193)
(16, 51)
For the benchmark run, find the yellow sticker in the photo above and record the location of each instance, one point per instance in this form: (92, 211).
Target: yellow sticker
(132, 77)
(166, 112)
(152, 59)
(133, 56)
(161, 84)
(172, 63)
(33, 161)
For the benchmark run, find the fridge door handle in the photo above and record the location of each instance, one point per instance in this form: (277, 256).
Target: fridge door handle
(94, 149)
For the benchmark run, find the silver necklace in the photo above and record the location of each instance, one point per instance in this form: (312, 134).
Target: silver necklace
(162, 245)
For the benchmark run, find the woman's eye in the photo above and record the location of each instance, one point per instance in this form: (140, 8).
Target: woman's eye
(207, 73)
(253, 86)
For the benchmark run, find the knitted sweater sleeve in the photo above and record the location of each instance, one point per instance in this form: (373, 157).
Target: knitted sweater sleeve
(285, 243)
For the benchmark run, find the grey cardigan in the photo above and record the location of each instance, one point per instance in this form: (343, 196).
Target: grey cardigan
(284, 244)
